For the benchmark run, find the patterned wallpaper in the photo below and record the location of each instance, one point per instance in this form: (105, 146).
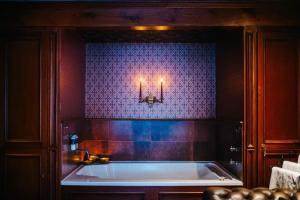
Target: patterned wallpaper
(114, 71)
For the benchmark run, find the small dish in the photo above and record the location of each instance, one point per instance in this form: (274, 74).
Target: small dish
(103, 159)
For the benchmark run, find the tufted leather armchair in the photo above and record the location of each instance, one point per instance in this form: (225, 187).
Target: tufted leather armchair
(220, 193)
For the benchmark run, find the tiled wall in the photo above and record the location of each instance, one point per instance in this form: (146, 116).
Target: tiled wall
(113, 72)
(151, 139)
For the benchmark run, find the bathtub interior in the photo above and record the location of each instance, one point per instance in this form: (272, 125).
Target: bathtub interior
(156, 170)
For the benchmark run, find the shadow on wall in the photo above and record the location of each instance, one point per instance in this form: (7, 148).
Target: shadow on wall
(229, 143)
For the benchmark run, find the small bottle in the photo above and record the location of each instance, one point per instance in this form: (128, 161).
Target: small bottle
(73, 141)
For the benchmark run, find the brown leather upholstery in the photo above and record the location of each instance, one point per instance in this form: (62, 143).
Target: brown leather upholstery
(220, 193)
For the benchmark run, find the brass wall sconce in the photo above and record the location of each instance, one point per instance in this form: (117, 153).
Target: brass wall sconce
(150, 99)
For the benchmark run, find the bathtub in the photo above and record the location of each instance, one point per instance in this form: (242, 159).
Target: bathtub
(151, 174)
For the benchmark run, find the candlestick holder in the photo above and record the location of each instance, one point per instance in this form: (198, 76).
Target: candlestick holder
(150, 99)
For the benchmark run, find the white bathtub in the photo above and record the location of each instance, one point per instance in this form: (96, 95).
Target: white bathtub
(151, 174)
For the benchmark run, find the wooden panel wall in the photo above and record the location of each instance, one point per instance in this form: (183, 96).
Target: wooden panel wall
(23, 117)
(27, 144)
(71, 93)
(280, 71)
(21, 183)
(132, 192)
(230, 75)
(2, 114)
(229, 98)
(24, 91)
(278, 103)
(71, 75)
(250, 108)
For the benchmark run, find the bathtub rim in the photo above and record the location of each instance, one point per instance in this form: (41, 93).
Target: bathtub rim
(234, 181)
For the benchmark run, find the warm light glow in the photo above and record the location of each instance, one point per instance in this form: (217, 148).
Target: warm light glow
(76, 158)
(153, 28)
(141, 80)
(140, 28)
(161, 28)
(156, 80)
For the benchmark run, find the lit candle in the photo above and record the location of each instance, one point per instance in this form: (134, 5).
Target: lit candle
(161, 89)
(140, 98)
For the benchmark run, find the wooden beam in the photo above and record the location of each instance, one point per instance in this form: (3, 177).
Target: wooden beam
(223, 13)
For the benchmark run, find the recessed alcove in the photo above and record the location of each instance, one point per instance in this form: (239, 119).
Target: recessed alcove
(203, 106)
(174, 150)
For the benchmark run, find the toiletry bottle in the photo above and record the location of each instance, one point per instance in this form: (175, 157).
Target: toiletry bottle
(73, 141)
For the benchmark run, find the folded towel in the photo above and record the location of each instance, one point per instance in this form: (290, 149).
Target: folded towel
(291, 166)
(284, 179)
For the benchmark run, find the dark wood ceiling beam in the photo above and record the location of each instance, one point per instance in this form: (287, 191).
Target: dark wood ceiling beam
(224, 13)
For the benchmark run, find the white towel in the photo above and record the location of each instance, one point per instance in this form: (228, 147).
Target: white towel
(299, 158)
(284, 179)
(291, 166)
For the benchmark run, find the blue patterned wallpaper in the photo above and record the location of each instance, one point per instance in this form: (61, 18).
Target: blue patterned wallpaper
(114, 70)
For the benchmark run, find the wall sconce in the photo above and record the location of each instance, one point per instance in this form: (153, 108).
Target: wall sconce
(150, 99)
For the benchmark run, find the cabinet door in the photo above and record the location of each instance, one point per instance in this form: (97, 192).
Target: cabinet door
(278, 89)
(26, 63)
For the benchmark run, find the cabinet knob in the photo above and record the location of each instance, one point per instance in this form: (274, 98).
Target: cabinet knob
(263, 148)
(250, 147)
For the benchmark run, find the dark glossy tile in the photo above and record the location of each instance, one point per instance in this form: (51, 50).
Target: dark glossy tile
(79, 126)
(172, 130)
(66, 129)
(67, 164)
(83, 130)
(141, 151)
(205, 130)
(204, 151)
(123, 150)
(95, 146)
(129, 130)
(99, 129)
(132, 139)
(228, 135)
(171, 151)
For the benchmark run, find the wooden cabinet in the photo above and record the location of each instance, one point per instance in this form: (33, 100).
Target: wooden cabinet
(133, 192)
(278, 100)
(27, 114)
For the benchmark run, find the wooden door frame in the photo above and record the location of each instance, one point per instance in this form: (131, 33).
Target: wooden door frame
(250, 148)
